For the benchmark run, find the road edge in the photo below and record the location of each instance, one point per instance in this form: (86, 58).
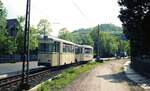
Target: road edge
(135, 77)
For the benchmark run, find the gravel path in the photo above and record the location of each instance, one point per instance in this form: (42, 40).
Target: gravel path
(106, 77)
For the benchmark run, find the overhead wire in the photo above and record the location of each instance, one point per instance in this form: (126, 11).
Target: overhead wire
(80, 10)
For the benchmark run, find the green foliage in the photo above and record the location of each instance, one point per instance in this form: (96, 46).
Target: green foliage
(19, 41)
(33, 39)
(66, 35)
(7, 44)
(111, 28)
(21, 20)
(20, 36)
(76, 37)
(110, 38)
(66, 78)
(82, 36)
(131, 14)
(108, 43)
(44, 27)
(34, 35)
(86, 40)
(134, 15)
(3, 21)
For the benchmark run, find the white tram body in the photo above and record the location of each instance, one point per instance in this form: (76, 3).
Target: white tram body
(55, 52)
(83, 53)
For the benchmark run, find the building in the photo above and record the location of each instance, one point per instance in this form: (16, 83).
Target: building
(12, 27)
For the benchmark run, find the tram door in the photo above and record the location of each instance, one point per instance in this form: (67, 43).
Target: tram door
(56, 54)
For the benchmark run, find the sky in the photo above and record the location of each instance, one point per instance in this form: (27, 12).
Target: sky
(72, 14)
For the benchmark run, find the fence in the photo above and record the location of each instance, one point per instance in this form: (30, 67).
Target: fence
(15, 58)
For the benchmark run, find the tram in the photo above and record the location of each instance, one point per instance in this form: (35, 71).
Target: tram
(56, 52)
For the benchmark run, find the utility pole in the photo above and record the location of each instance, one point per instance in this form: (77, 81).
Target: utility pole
(25, 55)
(98, 44)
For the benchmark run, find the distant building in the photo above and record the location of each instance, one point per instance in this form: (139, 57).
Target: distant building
(12, 27)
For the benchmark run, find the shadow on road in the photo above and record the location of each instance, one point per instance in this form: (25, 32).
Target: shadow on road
(120, 78)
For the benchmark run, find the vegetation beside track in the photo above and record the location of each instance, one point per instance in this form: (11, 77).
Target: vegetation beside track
(67, 77)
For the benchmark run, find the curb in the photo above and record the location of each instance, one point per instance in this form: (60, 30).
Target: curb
(135, 77)
(3, 76)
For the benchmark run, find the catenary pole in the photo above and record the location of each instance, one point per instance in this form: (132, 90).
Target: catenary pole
(25, 65)
(98, 44)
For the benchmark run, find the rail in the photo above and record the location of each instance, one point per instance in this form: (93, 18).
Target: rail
(13, 83)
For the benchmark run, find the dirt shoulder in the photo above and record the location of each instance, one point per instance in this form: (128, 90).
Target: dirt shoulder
(106, 77)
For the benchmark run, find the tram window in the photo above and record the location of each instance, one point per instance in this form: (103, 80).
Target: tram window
(87, 50)
(56, 47)
(64, 48)
(45, 47)
(68, 48)
(72, 49)
(78, 50)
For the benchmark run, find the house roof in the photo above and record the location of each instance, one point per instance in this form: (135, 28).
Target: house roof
(11, 23)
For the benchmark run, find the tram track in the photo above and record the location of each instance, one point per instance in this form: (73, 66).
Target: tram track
(36, 76)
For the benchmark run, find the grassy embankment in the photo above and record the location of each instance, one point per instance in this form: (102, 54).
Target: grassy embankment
(67, 77)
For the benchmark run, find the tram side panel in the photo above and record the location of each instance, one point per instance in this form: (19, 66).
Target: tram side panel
(55, 59)
(87, 57)
(67, 58)
(78, 58)
(86, 54)
(44, 59)
(67, 55)
(78, 54)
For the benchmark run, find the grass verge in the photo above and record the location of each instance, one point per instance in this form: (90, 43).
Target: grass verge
(67, 77)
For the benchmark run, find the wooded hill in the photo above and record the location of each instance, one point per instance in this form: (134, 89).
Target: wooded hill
(111, 38)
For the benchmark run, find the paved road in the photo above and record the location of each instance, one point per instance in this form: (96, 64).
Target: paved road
(106, 77)
(13, 67)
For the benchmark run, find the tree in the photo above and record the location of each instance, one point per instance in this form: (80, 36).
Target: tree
(84, 40)
(133, 14)
(108, 43)
(21, 20)
(20, 34)
(20, 41)
(82, 36)
(7, 43)
(3, 22)
(34, 35)
(75, 37)
(44, 27)
(65, 34)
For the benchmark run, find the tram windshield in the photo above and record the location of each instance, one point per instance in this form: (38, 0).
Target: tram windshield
(49, 47)
(45, 47)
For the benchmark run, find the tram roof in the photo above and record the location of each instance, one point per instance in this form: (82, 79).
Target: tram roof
(87, 46)
(59, 40)
(65, 41)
